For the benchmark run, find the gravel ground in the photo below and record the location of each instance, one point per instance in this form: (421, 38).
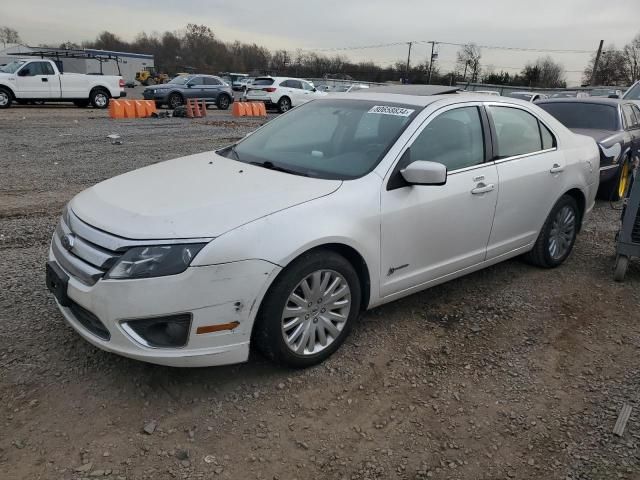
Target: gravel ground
(512, 372)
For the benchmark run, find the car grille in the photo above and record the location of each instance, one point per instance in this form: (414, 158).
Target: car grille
(86, 253)
(89, 321)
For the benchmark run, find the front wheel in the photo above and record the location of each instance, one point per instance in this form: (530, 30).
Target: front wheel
(284, 104)
(620, 270)
(5, 98)
(309, 310)
(558, 234)
(175, 100)
(99, 98)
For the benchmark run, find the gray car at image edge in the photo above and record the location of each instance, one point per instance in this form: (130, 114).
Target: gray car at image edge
(177, 91)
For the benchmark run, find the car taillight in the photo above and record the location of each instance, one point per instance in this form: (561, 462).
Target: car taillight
(269, 89)
(121, 83)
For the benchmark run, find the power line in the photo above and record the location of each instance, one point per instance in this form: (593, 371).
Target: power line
(486, 47)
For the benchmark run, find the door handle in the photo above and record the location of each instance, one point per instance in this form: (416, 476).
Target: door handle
(44, 79)
(556, 168)
(482, 188)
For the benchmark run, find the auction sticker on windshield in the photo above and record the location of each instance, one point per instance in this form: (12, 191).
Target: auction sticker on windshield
(387, 110)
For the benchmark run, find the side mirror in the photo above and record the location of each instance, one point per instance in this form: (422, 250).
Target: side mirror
(614, 95)
(422, 172)
(315, 89)
(24, 72)
(189, 85)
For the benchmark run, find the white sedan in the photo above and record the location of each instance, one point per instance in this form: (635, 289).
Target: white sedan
(343, 204)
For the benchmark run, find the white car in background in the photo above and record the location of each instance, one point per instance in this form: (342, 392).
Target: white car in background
(343, 204)
(281, 92)
(528, 96)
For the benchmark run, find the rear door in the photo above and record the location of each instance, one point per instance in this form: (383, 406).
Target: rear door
(531, 172)
(294, 91)
(211, 88)
(33, 80)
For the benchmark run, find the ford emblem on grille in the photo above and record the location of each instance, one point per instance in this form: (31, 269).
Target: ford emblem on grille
(68, 240)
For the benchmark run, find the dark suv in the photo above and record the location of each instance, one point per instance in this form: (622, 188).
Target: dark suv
(183, 87)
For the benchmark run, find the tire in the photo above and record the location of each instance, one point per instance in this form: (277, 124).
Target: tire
(223, 102)
(6, 98)
(318, 318)
(620, 270)
(544, 254)
(81, 103)
(175, 100)
(99, 98)
(284, 104)
(615, 190)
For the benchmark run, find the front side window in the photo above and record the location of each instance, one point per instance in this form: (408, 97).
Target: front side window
(629, 116)
(517, 131)
(307, 86)
(332, 139)
(32, 69)
(454, 138)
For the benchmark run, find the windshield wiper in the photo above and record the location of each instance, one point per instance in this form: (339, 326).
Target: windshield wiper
(272, 166)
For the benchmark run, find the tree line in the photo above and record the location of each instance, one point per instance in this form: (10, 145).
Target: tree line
(197, 48)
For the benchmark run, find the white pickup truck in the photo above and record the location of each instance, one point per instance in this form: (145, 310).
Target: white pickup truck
(27, 80)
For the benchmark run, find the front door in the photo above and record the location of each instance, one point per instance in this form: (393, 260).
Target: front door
(34, 80)
(431, 231)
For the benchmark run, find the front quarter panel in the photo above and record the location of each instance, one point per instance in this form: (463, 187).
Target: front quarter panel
(348, 216)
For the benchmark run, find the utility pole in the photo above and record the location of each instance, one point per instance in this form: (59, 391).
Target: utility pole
(408, 61)
(433, 44)
(595, 64)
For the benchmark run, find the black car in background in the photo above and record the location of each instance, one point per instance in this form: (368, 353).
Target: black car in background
(614, 125)
(178, 90)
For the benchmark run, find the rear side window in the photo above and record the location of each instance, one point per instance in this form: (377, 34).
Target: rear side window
(548, 140)
(212, 81)
(292, 84)
(518, 132)
(454, 138)
(636, 110)
(263, 81)
(633, 93)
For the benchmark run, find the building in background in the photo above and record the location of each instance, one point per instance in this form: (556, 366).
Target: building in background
(86, 60)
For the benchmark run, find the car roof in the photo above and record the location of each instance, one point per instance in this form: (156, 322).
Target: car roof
(371, 94)
(601, 101)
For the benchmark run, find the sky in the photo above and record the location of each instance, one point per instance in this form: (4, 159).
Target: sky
(325, 24)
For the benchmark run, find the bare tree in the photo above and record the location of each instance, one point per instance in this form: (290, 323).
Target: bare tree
(631, 53)
(9, 35)
(544, 72)
(468, 61)
(612, 68)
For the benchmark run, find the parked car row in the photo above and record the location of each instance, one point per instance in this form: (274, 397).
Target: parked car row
(178, 90)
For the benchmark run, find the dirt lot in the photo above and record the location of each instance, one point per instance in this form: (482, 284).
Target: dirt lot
(513, 372)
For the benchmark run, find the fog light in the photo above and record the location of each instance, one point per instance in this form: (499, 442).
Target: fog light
(160, 332)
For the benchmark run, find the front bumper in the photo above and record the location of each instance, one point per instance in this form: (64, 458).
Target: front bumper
(214, 294)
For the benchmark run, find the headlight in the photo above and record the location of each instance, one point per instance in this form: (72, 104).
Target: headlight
(155, 261)
(151, 90)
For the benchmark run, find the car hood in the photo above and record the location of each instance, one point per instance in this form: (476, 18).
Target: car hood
(199, 196)
(597, 135)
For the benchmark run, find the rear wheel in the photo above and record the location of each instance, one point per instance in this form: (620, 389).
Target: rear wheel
(5, 98)
(223, 102)
(309, 310)
(99, 98)
(557, 236)
(284, 104)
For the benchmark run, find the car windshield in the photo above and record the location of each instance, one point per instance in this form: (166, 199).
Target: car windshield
(633, 93)
(181, 80)
(12, 67)
(583, 115)
(331, 139)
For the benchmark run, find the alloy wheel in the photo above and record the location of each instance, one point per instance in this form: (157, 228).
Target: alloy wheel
(100, 100)
(4, 99)
(562, 234)
(316, 312)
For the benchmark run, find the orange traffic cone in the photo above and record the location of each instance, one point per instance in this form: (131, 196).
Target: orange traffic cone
(116, 109)
(204, 108)
(263, 109)
(237, 110)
